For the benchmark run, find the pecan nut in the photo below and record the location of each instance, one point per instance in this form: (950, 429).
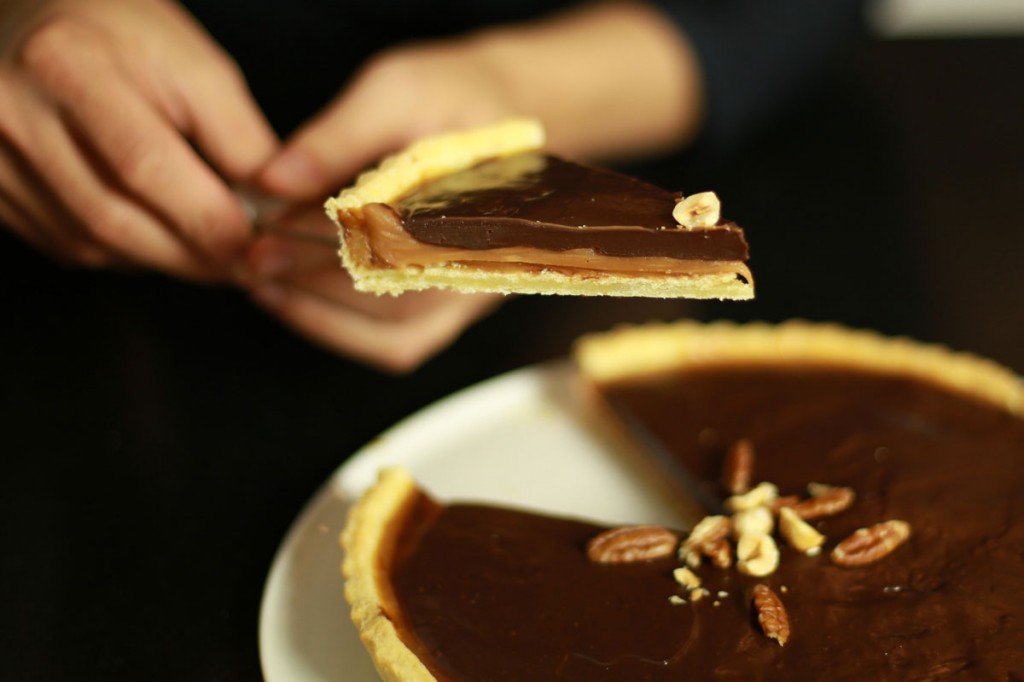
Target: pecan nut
(763, 495)
(826, 500)
(631, 544)
(781, 503)
(707, 539)
(771, 614)
(757, 555)
(738, 467)
(687, 578)
(868, 545)
(719, 553)
(753, 521)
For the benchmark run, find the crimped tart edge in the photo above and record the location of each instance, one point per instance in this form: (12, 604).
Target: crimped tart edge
(366, 530)
(639, 350)
(433, 156)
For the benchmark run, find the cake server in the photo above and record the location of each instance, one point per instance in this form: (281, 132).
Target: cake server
(697, 499)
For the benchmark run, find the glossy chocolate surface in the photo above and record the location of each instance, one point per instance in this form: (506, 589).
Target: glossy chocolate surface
(544, 202)
(504, 595)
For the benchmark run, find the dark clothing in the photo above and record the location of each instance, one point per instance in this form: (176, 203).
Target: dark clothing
(756, 55)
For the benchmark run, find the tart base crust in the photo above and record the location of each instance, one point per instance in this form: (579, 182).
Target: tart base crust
(636, 351)
(505, 279)
(365, 539)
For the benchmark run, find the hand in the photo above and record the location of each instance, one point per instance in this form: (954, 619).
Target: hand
(118, 121)
(297, 277)
(396, 99)
(605, 79)
(611, 79)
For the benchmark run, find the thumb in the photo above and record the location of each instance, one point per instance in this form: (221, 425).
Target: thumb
(351, 134)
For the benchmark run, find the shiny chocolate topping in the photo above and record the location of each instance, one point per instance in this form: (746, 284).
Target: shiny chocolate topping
(544, 202)
(498, 594)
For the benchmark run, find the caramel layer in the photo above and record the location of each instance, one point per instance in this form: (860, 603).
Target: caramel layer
(536, 210)
(498, 594)
(382, 241)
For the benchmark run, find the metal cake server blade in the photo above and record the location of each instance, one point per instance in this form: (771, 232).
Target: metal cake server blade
(698, 500)
(275, 216)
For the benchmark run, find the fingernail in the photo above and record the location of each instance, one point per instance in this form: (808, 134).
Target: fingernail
(292, 172)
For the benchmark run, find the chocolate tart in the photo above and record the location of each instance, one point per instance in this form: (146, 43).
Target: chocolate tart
(452, 592)
(487, 210)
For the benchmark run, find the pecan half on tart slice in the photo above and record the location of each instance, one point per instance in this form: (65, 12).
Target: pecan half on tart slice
(486, 209)
(878, 538)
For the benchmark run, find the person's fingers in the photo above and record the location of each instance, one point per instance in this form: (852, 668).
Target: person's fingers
(73, 254)
(379, 112)
(299, 250)
(139, 146)
(306, 221)
(33, 212)
(331, 148)
(296, 238)
(314, 268)
(14, 218)
(275, 256)
(226, 123)
(198, 86)
(394, 345)
(104, 212)
(397, 97)
(313, 272)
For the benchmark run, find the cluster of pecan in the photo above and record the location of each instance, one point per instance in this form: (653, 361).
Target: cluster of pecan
(744, 538)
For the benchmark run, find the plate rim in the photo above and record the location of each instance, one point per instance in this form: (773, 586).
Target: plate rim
(345, 480)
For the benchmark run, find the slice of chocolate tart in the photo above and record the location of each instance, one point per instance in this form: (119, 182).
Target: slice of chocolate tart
(487, 210)
(872, 528)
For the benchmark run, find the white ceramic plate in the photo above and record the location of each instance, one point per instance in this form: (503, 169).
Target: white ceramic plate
(524, 439)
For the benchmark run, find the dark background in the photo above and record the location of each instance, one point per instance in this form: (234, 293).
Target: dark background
(158, 438)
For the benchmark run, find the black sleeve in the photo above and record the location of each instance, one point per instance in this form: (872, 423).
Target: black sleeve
(757, 56)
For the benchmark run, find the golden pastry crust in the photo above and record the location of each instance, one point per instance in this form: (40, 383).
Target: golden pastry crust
(497, 270)
(434, 156)
(648, 349)
(364, 539)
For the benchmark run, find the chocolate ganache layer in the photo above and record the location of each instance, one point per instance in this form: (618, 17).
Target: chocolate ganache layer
(544, 202)
(498, 594)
